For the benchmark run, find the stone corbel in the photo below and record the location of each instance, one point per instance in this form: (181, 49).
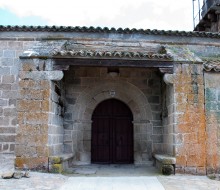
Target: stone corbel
(43, 75)
(168, 79)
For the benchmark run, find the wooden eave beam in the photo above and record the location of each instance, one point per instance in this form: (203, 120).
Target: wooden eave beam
(61, 63)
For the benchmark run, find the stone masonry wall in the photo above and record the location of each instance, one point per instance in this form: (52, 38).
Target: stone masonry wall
(9, 68)
(32, 135)
(55, 133)
(192, 141)
(212, 107)
(190, 127)
(78, 81)
(38, 116)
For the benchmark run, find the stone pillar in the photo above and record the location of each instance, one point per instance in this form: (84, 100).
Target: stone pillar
(168, 114)
(189, 119)
(143, 144)
(212, 103)
(34, 109)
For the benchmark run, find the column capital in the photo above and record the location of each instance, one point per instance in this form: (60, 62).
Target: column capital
(168, 78)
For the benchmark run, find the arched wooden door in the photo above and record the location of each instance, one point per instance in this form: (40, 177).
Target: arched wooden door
(112, 133)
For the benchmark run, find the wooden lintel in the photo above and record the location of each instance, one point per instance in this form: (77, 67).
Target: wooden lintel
(61, 67)
(59, 63)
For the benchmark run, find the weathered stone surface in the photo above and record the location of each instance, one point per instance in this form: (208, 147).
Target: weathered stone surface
(29, 105)
(42, 75)
(7, 175)
(165, 159)
(55, 160)
(18, 175)
(190, 153)
(56, 168)
(143, 79)
(168, 78)
(7, 62)
(181, 122)
(8, 79)
(212, 90)
(40, 163)
(5, 70)
(167, 169)
(7, 138)
(3, 102)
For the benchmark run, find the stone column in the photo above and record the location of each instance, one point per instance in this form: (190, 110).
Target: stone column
(189, 119)
(34, 108)
(168, 114)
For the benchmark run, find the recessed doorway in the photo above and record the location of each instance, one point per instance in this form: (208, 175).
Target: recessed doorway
(112, 133)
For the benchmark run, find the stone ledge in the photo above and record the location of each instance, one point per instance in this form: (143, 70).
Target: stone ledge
(165, 163)
(59, 163)
(165, 159)
(62, 157)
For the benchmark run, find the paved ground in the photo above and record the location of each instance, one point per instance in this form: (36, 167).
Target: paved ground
(106, 178)
(37, 181)
(112, 183)
(113, 170)
(188, 182)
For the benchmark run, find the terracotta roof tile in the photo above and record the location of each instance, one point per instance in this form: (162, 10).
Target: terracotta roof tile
(106, 30)
(211, 64)
(112, 54)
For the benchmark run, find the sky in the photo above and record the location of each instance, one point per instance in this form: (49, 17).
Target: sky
(145, 14)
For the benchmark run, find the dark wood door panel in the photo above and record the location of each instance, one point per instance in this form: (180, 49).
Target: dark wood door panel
(112, 133)
(123, 131)
(100, 141)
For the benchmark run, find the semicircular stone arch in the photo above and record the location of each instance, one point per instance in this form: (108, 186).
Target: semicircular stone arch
(126, 92)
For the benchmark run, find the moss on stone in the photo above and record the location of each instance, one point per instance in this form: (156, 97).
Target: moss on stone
(167, 161)
(55, 160)
(56, 168)
(167, 169)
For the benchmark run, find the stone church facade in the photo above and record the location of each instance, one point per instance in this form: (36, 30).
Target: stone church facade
(57, 85)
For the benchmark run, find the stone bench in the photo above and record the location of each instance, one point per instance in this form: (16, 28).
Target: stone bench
(165, 163)
(59, 163)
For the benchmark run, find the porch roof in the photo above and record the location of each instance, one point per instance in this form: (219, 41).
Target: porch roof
(110, 49)
(111, 54)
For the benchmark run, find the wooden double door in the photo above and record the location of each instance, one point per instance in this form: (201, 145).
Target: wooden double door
(112, 133)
